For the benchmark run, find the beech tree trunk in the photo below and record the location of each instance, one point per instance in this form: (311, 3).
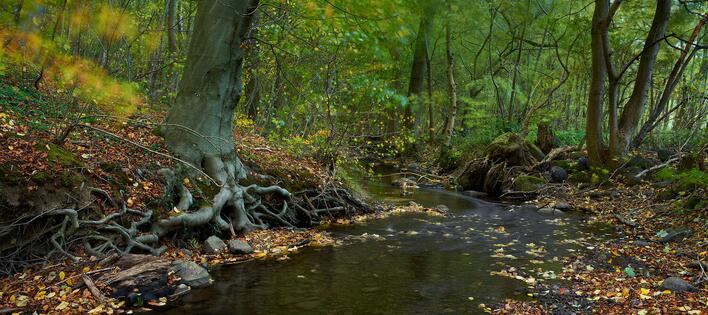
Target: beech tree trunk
(634, 108)
(211, 84)
(416, 84)
(199, 128)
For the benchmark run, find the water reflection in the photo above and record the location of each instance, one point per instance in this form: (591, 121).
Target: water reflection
(420, 265)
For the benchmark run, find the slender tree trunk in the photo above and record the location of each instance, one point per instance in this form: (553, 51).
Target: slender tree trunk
(671, 82)
(512, 96)
(429, 99)
(634, 108)
(597, 84)
(171, 24)
(452, 85)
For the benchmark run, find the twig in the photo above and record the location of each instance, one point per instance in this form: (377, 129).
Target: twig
(92, 288)
(655, 167)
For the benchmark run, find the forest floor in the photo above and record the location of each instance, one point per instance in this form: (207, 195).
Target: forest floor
(119, 157)
(656, 240)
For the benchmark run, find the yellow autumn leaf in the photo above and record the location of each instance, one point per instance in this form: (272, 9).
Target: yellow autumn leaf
(40, 295)
(62, 275)
(644, 291)
(86, 269)
(21, 301)
(62, 305)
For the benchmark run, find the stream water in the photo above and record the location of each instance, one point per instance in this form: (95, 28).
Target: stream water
(415, 264)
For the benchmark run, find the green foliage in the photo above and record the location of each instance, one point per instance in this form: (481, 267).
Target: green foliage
(692, 178)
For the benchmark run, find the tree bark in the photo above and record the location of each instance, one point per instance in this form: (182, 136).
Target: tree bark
(671, 82)
(634, 108)
(418, 69)
(593, 125)
(210, 85)
(452, 85)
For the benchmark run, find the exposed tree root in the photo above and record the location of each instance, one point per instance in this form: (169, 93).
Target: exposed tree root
(105, 235)
(232, 208)
(240, 208)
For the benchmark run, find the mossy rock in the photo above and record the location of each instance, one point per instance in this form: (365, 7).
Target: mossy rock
(694, 202)
(568, 165)
(528, 183)
(580, 177)
(641, 162)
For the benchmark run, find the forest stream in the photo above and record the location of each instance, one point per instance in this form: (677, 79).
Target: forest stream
(406, 264)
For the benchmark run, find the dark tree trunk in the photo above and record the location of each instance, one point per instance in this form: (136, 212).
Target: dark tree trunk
(416, 84)
(593, 127)
(671, 82)
(634, 108)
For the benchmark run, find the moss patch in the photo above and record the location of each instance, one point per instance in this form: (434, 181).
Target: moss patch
(528, 183)
(56, 154)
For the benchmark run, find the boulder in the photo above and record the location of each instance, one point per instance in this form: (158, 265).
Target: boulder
(214, 245)
(580, 177)
(528, 183)
(676, 235)
(239, 247)
(664, 154)
(181, 289)
(191, 274)
(558, 174)
(568, 165)
(641, 162)
(563, 206)
(676, 284)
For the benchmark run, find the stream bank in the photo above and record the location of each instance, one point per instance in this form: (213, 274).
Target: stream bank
(411, 263)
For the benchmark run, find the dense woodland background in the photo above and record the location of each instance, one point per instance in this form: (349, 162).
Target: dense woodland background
(163, 127)
(385, 76)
